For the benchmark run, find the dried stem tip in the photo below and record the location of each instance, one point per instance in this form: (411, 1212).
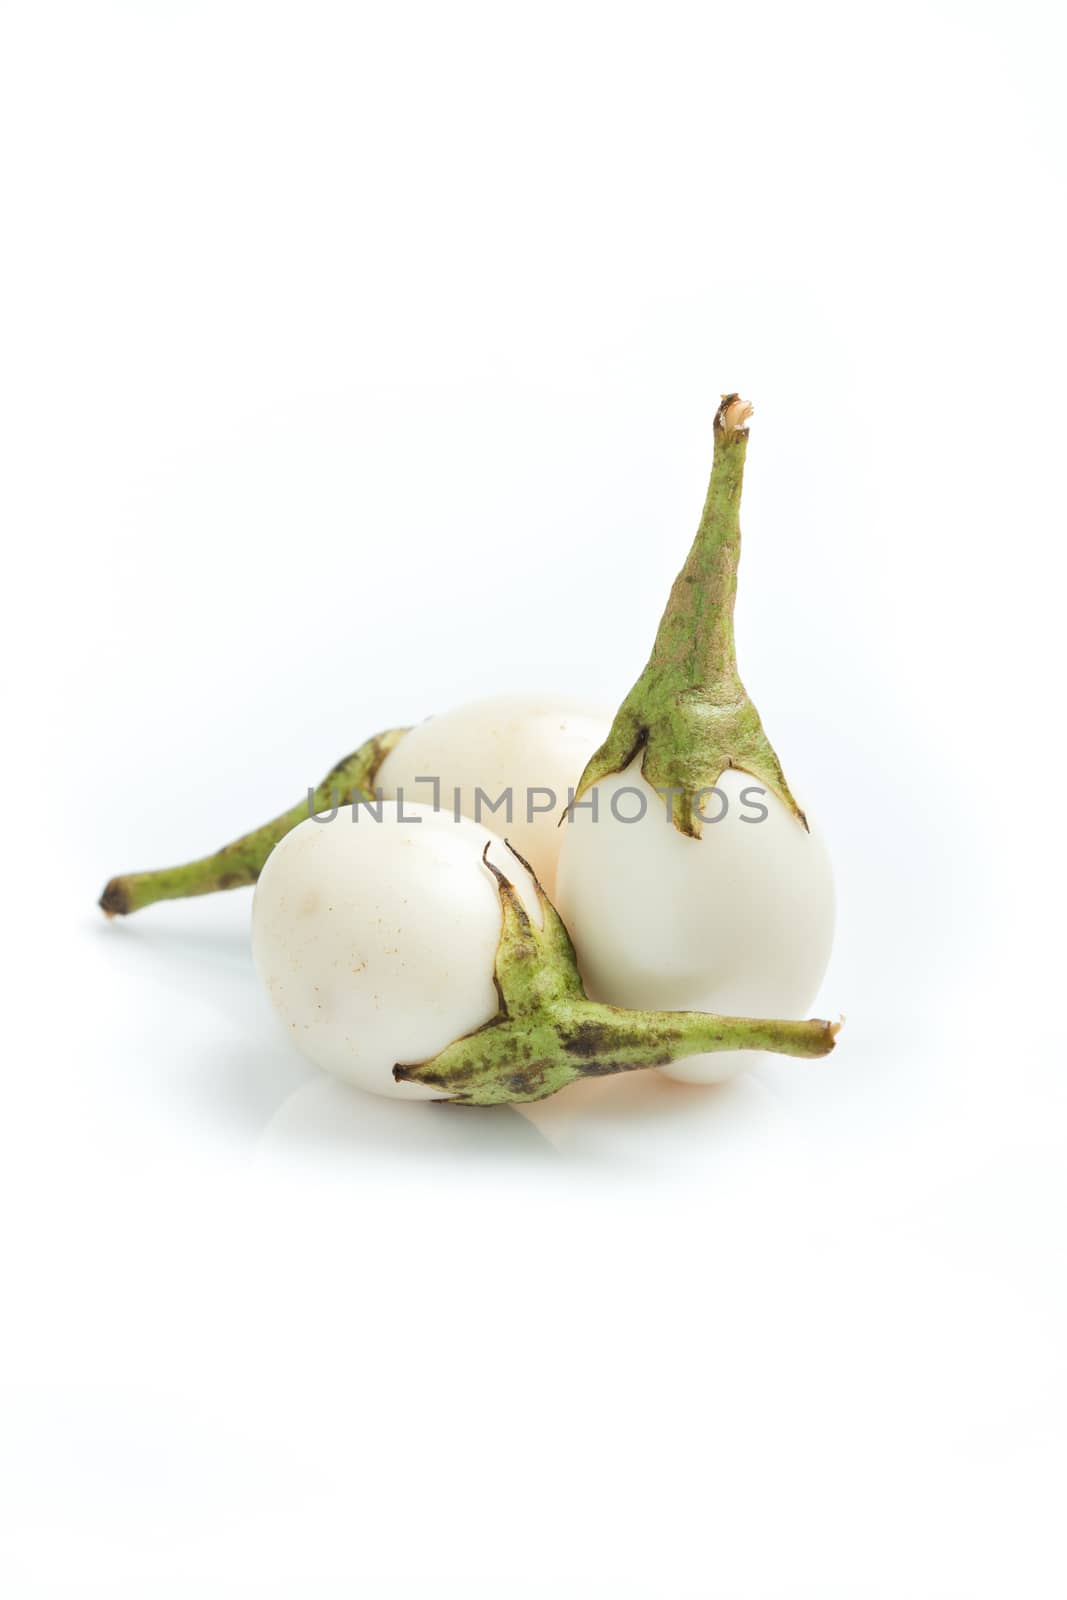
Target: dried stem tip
(733, 413)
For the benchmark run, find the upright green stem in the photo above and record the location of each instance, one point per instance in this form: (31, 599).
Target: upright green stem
(689, 715)
(695, 641)
(242, 861)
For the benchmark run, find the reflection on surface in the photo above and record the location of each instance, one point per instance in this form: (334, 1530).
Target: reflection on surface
(644, 1114)
(325, 1115)
(637, 1121)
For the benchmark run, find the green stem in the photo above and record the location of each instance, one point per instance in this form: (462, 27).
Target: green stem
(629, 1040)
(688, 716)
(547, 1033)
(694, 650)
(242, 861)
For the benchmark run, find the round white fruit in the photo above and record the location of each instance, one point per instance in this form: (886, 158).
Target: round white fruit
(739, 922)
(376, 940)
(530, 747)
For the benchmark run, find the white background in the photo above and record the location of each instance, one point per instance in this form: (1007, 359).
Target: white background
(360, 360)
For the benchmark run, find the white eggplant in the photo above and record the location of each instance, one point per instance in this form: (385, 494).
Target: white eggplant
(507, 762)
(720, 897)
(415, 956)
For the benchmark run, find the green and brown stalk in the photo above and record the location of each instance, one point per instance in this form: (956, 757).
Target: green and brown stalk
(242, 861)
(688, 715)
(547, 1033)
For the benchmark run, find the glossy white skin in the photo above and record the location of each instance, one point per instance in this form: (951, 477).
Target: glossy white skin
(376, 940)
(521, 742)
(739, 922)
